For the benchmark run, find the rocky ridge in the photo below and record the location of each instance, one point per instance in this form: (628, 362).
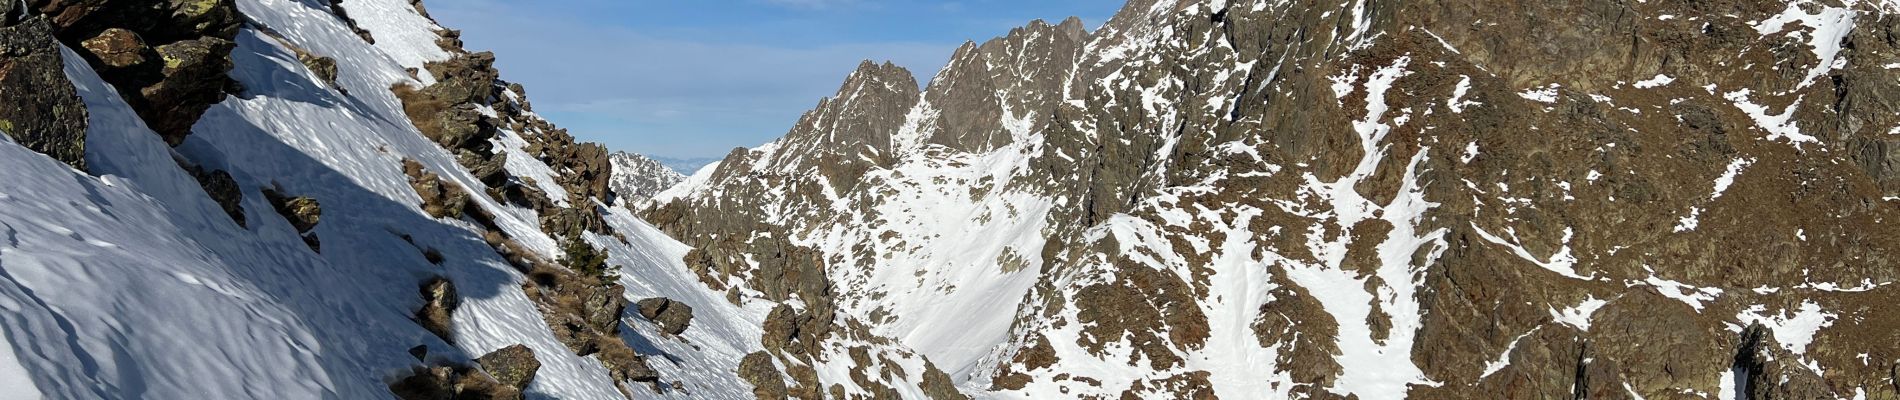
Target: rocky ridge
(1386, 199)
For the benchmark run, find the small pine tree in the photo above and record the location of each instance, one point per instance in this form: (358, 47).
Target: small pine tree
(585, 260)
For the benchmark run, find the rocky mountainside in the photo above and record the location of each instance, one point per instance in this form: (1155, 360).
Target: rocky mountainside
(637, 178)
(1337, 199)
(319, 199)
(1374, 199)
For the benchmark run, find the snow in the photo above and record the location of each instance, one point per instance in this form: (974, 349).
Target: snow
(1728, 176)
(1691, 295)
(1579, 315)
(1457, 103)
(1693, 219)
(1825, 32)
(1504, 359)
(1542, 95)
(1794, 331)
(400, 32)
(1562, 263)
(14, 375)
(105, 298)
(1728, 386)
(1689, 222)
(1659, 81)
(1779, 126)
(522, 164)
(1372, 369)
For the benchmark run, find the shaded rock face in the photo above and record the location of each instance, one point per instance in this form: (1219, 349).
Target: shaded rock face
(767, 383)
(672, 316)
(1372, 199)
(440, 198)
(168, 58)
(303, 213)
(439, 301)
(512, 366)
(40, 110)
(1030, 66)
(223, 190)
(451, 383)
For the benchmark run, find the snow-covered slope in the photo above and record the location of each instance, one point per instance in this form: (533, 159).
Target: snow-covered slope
(131, 282)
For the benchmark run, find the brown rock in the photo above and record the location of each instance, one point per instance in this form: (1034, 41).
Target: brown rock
(672, 316)
(767, 383)
(512, 366)
(451, 383)
(194, 80)
(41, 109)
(223, 190)
(303, 212)
(439, 301)
(119, 48)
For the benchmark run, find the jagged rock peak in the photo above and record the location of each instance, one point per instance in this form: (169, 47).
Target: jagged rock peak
(851, 132)
(991, 95)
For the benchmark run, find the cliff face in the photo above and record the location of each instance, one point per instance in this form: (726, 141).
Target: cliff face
(1364, 198)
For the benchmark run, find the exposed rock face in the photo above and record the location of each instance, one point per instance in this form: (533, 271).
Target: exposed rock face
(168, 58)
(767, 383)
(1372, 199)
(223, 189)
(579, 297)
(1029, 67)
(451, 383)
(672, 316)
(439, 301)
(304, 213)
(637, 178)
(40, 110)
(119, 48)
(512, 366)
(440, 198)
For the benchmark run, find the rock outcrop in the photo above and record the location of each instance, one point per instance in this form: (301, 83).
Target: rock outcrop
(303, 213)
(168, 58)
(41, 110)
(439, 301)
(223, 190)
(672, 316)
(512, 366)
(450, 382)
(767, 383)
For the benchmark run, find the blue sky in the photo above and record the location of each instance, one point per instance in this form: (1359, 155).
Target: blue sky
(696, 78)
